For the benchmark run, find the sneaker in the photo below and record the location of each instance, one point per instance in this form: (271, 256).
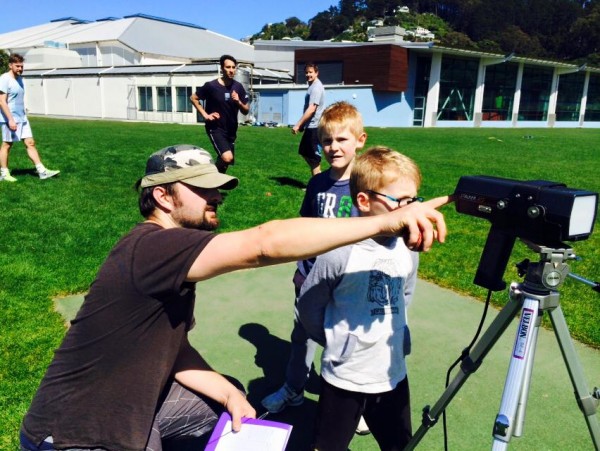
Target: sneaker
(362, 428)
(282, 398)
(47, 174)
(7, 178)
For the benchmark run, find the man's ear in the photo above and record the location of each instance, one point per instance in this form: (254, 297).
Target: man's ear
(363, 202)
(163, 199)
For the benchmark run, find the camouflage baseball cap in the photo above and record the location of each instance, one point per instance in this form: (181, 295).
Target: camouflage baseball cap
(188, 164)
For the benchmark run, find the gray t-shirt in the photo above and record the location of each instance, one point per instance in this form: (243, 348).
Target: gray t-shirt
(353, 302)
(316, 95)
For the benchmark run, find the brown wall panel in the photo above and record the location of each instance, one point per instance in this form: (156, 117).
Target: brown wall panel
(385, 66)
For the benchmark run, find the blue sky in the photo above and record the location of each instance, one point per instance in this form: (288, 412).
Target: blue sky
(233, 18)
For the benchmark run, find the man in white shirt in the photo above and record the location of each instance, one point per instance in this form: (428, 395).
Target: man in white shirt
(13, 120)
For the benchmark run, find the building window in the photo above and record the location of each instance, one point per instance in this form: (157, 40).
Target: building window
(113, 55)
(422, 76)
(458, 79)
(592, 109)
(184, 105)
(330, 72)
(164, 97)
(535, 93)
(568, 102)
(145, 98)
(500, 83)
(88, 56)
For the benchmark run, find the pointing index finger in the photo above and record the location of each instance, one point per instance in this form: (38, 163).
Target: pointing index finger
(438, 202)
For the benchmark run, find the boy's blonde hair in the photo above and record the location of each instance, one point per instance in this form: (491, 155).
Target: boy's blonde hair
(379, 166)
(340, 114)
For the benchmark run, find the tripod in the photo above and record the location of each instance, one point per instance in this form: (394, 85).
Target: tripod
(535, 296)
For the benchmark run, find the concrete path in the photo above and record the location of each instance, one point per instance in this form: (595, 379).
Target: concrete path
(243, 325)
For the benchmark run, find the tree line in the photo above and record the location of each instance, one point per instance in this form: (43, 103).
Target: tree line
(565, 30)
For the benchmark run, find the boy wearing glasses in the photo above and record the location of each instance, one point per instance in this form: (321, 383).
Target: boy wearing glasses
(353, 303)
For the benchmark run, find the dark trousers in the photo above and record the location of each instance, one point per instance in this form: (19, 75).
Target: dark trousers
(387, 415)
(184, 421)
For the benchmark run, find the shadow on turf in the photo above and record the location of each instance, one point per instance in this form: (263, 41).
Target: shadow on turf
(19, 172)
(271, 356)
(288, 181)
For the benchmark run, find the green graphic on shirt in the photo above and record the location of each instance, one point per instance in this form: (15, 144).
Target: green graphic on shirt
(345, 208)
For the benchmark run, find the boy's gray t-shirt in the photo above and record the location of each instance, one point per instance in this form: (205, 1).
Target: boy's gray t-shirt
(316, 95)
(354, 304)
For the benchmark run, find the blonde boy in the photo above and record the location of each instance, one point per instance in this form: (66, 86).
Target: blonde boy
(353, 303)
(327, 195)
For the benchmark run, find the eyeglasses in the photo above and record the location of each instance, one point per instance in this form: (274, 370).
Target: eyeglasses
(402, 202)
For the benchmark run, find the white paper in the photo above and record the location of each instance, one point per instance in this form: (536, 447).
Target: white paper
(252, 437)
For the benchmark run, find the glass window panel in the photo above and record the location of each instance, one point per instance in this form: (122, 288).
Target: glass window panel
(330, 73)
(458, 80)
(535, 93)
(88, 56)
(498, 96)
(145, 98)
(568, 102)
(184, 105)
(164, 98)
(422, 76)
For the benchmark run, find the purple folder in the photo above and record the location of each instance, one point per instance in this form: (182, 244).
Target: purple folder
(264, 435)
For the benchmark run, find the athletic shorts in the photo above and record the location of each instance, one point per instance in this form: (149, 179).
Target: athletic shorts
(221, 140)
(23, 132)
(309, 147)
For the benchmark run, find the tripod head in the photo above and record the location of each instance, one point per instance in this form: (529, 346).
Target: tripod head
(552, 270)
(547, 274)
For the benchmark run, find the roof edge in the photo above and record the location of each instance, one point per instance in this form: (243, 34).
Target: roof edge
(162, 19)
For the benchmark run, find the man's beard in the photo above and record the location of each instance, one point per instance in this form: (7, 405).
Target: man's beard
(194, 223)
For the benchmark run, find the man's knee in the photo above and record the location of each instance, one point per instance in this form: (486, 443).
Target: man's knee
(227, 157)
(29, 142)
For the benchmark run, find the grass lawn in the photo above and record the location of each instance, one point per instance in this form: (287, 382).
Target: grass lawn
(54, 234)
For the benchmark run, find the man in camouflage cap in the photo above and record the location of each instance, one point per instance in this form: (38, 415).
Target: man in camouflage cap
(125, 376)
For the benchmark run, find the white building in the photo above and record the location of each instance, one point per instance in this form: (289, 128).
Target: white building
(136, 68)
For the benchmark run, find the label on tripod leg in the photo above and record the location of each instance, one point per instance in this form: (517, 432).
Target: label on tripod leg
(525, 325)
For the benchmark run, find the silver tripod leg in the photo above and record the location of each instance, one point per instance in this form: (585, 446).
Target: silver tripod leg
(522, 407)
(520, 366)
(509, 421)
(588, 402)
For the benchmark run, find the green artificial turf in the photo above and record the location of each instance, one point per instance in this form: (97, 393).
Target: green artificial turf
(54, 234)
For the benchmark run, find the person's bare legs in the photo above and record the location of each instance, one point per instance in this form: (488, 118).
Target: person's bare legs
(4, 151)
(224, 160)
(315, 167)
(32, 152)
(43, 172)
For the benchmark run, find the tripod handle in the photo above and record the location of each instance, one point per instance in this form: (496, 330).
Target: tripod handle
(494, 258)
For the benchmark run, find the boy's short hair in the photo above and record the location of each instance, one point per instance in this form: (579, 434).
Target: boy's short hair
(340, 114)
(311, 65)
(379, 166)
